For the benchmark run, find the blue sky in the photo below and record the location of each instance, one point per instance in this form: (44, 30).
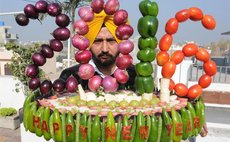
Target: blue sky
(188, 31)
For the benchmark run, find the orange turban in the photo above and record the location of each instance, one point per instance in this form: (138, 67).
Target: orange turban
(96, 24)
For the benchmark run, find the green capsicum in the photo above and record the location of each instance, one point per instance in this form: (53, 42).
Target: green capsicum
(144, 84)
(146, 55)
(147, 7)
(144, 69)
(96, 129)
(147, 26)
(110, 128)
(150, 42)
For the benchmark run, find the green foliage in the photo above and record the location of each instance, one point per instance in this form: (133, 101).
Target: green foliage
(7, 111)
(20, 59)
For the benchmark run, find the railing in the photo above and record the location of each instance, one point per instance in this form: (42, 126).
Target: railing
(222, 75)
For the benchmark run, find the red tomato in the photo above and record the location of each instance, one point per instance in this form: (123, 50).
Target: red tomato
(181, 90)
(177, 57)
(196, 14)
(194, 91)
(202, 55)
(171, 85)
(171, 26)
(210, 67)
(165, 42)
(182, 15)
(208, 22)
(205, 80)
(168, 69)
(190, 49)
(162, 58)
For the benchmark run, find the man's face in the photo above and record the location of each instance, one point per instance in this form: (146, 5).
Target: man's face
(105, 48)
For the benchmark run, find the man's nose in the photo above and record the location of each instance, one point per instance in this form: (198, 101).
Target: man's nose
(105, 46)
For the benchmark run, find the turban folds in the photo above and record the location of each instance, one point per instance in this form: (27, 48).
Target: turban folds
(95, 26)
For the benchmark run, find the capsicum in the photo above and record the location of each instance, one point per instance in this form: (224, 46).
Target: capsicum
(144, 68)
(150, 42)
(144, 84)
(146, 55)
(147, 7)
(147, 26)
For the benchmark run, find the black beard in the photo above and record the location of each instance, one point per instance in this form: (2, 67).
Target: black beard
(106, 63)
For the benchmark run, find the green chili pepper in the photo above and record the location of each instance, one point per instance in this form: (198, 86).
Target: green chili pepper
(70, 128)
(45, 124)
(148, 127)
(144, 69)
(190, 124)
(150, 42)
(38, 121)
(51, 126)
(119, 130)
(78, 117)
(57, 126)
(154, 129)
(147, 7)
(146, 55)
(126, 130)
(200, 112)
(103, 133)
(83, 128)
(134, 128)
(147, 26)
(31, 115)
(177, 125)
(166, 135)
(186, 123)
(193, 113)
(159, 128)
(26, 113)
(110, 128)
(96, 129)
(140, 124)
(89, 125)
(29, 98)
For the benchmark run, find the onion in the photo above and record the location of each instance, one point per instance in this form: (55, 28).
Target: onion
(109, 84)
(41, 6)
(125, 47)
(61, 34)
(86, 71)
(81, 27)
(54, 9)
(30, 11)
(123, 32)
(62, 20)
(80, 42)
(83, 56)
(59, 85)
(86, 14)
(120, 17)
(97, 5)
(31, 70)
(34, 83)
(56, 45)
(22, 20)
(45, 87)
(46, 51)
(121, 76)
(95, 82)
(111, 6)
(124, 61)
(38, 59)
(71, 84)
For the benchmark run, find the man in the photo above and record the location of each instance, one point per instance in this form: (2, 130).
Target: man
(104, 49)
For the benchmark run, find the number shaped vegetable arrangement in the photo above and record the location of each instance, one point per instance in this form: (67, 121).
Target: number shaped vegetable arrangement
(158, 122)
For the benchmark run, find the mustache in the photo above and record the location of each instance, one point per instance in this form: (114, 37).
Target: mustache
(105, 54)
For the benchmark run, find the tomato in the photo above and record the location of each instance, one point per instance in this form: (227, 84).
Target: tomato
(202, 55)
(168, 69)
(165, 42)
(194, 91)
(177, 56)
(196, 14)
(210, 68)
(171, 85)
(208, 22)
(171, 26)
(162, 58)
(190, 49)
(205, 80)
(182, 15)
(181, 90)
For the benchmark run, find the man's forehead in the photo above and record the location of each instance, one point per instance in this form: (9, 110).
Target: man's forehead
(104, 32)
